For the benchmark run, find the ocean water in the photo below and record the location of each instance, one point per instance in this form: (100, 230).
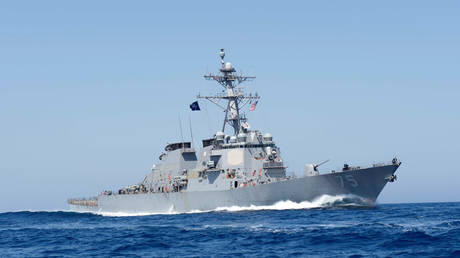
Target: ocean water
(331, 228)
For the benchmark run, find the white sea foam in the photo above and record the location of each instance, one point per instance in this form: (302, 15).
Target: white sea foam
(129, 214)
(171, 211)
(324, 201)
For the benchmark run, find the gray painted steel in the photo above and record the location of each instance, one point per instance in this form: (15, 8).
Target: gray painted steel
(366, 183)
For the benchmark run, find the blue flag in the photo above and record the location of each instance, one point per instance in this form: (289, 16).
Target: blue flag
(194, 106)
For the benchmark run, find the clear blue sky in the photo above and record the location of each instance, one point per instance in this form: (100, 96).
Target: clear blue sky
(91, 91)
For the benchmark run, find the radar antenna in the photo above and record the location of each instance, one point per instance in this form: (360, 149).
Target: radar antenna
(230, 81)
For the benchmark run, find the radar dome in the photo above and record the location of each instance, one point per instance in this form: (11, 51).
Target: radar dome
(242, 137)
(228, 66)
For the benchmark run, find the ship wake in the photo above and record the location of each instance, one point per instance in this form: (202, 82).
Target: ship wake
(322, 202)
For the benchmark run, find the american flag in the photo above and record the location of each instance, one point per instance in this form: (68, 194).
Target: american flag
(253, 106)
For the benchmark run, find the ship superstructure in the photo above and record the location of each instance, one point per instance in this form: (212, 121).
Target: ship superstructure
(241, 168)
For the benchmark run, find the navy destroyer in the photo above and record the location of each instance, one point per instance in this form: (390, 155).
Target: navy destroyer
(241, 168)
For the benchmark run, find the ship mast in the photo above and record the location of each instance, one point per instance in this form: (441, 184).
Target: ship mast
(234, 95)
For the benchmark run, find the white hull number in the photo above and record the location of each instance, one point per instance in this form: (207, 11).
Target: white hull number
(349, 179)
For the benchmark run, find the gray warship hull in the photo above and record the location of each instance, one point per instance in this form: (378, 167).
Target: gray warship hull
(366, 183)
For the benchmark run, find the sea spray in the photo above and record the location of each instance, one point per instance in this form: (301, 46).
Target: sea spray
(324, 201)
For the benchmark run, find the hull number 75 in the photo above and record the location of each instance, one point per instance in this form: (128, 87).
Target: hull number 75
(349, 179)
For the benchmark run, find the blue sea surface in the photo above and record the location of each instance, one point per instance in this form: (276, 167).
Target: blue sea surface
(407, 230)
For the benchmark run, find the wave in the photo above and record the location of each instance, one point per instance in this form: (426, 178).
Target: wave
(322, 202)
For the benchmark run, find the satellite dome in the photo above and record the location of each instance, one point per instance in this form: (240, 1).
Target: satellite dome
(242, 137)
(233, 139)
(268, 150)
(228, 66)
